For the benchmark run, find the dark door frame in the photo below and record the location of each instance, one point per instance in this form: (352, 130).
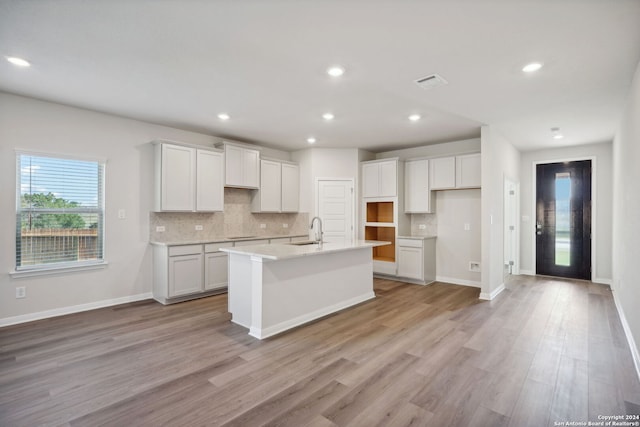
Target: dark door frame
(594, 205)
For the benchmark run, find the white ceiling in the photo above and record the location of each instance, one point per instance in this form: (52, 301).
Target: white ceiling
(180, 63)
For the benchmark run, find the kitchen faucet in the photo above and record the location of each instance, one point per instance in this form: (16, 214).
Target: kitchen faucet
(319, 231)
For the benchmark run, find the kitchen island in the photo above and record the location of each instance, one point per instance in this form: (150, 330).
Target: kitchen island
(273, 288)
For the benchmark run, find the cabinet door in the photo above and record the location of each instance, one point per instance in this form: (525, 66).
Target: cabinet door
(468, 171)
(177, 178)
(290, 188)
(410, 263)
(270, 186)
(417, 195)
(185, 275)
(250, 168)
(209, 181)
(371, 180)
(388, 179)
(216, 274)
(233, 165)
(443, 173)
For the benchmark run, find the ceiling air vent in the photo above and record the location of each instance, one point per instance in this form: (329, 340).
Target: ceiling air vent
(431, 81)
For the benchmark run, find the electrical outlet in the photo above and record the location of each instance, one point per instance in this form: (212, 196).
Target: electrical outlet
(21, 292)
(199, 228)
(160, 229)
(263, 225)
(422, 226)
(474, 266)
(285, 225)
(122, 214)
(467, 226)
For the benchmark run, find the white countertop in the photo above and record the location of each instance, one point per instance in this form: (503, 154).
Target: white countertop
(417, 237)
(223, 239)
(286, 251)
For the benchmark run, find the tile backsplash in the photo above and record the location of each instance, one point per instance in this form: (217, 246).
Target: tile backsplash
(429, 220)
(236, 220)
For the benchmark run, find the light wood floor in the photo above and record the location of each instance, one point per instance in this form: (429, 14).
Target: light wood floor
(544, 351)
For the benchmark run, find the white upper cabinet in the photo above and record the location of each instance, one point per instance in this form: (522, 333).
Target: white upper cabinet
(290, 187)
(187, 178)
(468, 171)
(176, 165)
(443, 173)
(209, 180)
(279, 187)
(270, 186)
(380, 178)
(455, 172)
(417, 193)
(242, 167)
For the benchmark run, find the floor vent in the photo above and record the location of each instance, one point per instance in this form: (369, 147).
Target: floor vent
(431, 81)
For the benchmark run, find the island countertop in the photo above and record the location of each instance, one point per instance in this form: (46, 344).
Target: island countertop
(287, 251)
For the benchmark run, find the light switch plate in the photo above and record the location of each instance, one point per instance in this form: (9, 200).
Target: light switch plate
(122, 214)
(199, 228)
(160, 229)
(422, 226)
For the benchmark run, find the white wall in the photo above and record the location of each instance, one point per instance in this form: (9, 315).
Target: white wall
(40, 126)
(602, 191)
(456, 247)
(500, 160)
(626, 216)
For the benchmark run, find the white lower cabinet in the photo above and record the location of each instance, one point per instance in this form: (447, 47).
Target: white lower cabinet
(216, 271)
(417, 259)
(184, 272)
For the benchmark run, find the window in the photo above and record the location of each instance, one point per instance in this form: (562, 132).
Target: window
(60, 212)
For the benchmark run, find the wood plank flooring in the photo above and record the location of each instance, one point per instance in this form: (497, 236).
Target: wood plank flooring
(545, 351)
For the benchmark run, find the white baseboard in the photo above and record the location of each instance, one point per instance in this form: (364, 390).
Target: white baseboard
(489, 296)
(262, 333)
(72, 309)
(627, 331)
(527, 273)
(602, 281)
(455, 281)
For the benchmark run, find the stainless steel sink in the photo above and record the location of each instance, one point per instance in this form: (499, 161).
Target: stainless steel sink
(304, 243)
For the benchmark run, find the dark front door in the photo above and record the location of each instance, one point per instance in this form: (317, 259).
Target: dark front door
(563, 219)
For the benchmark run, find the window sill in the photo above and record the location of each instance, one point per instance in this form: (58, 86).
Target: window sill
(19, 274)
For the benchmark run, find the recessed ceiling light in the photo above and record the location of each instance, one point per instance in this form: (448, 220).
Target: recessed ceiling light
(311, 140)
(328, 116)
(556, 133)
(532, 67)
(335, 71)
(18, 61)
(224, 116)
(414, 117)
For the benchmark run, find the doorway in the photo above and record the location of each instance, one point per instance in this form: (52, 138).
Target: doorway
(563, 219)
(336, 207)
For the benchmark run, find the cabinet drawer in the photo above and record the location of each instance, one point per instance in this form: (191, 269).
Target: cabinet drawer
(215, 247)
(185, 250)
(412, 243)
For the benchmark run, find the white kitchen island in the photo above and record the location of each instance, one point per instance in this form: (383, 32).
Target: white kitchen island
(273, 288)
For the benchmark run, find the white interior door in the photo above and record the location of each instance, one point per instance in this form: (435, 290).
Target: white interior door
(336, 208)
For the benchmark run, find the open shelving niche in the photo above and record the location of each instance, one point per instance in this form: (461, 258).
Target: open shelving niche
(383, 222)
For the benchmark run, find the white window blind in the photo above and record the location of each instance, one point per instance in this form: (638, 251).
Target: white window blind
(60, 212)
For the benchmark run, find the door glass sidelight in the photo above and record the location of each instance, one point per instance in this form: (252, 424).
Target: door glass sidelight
(563, 219)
